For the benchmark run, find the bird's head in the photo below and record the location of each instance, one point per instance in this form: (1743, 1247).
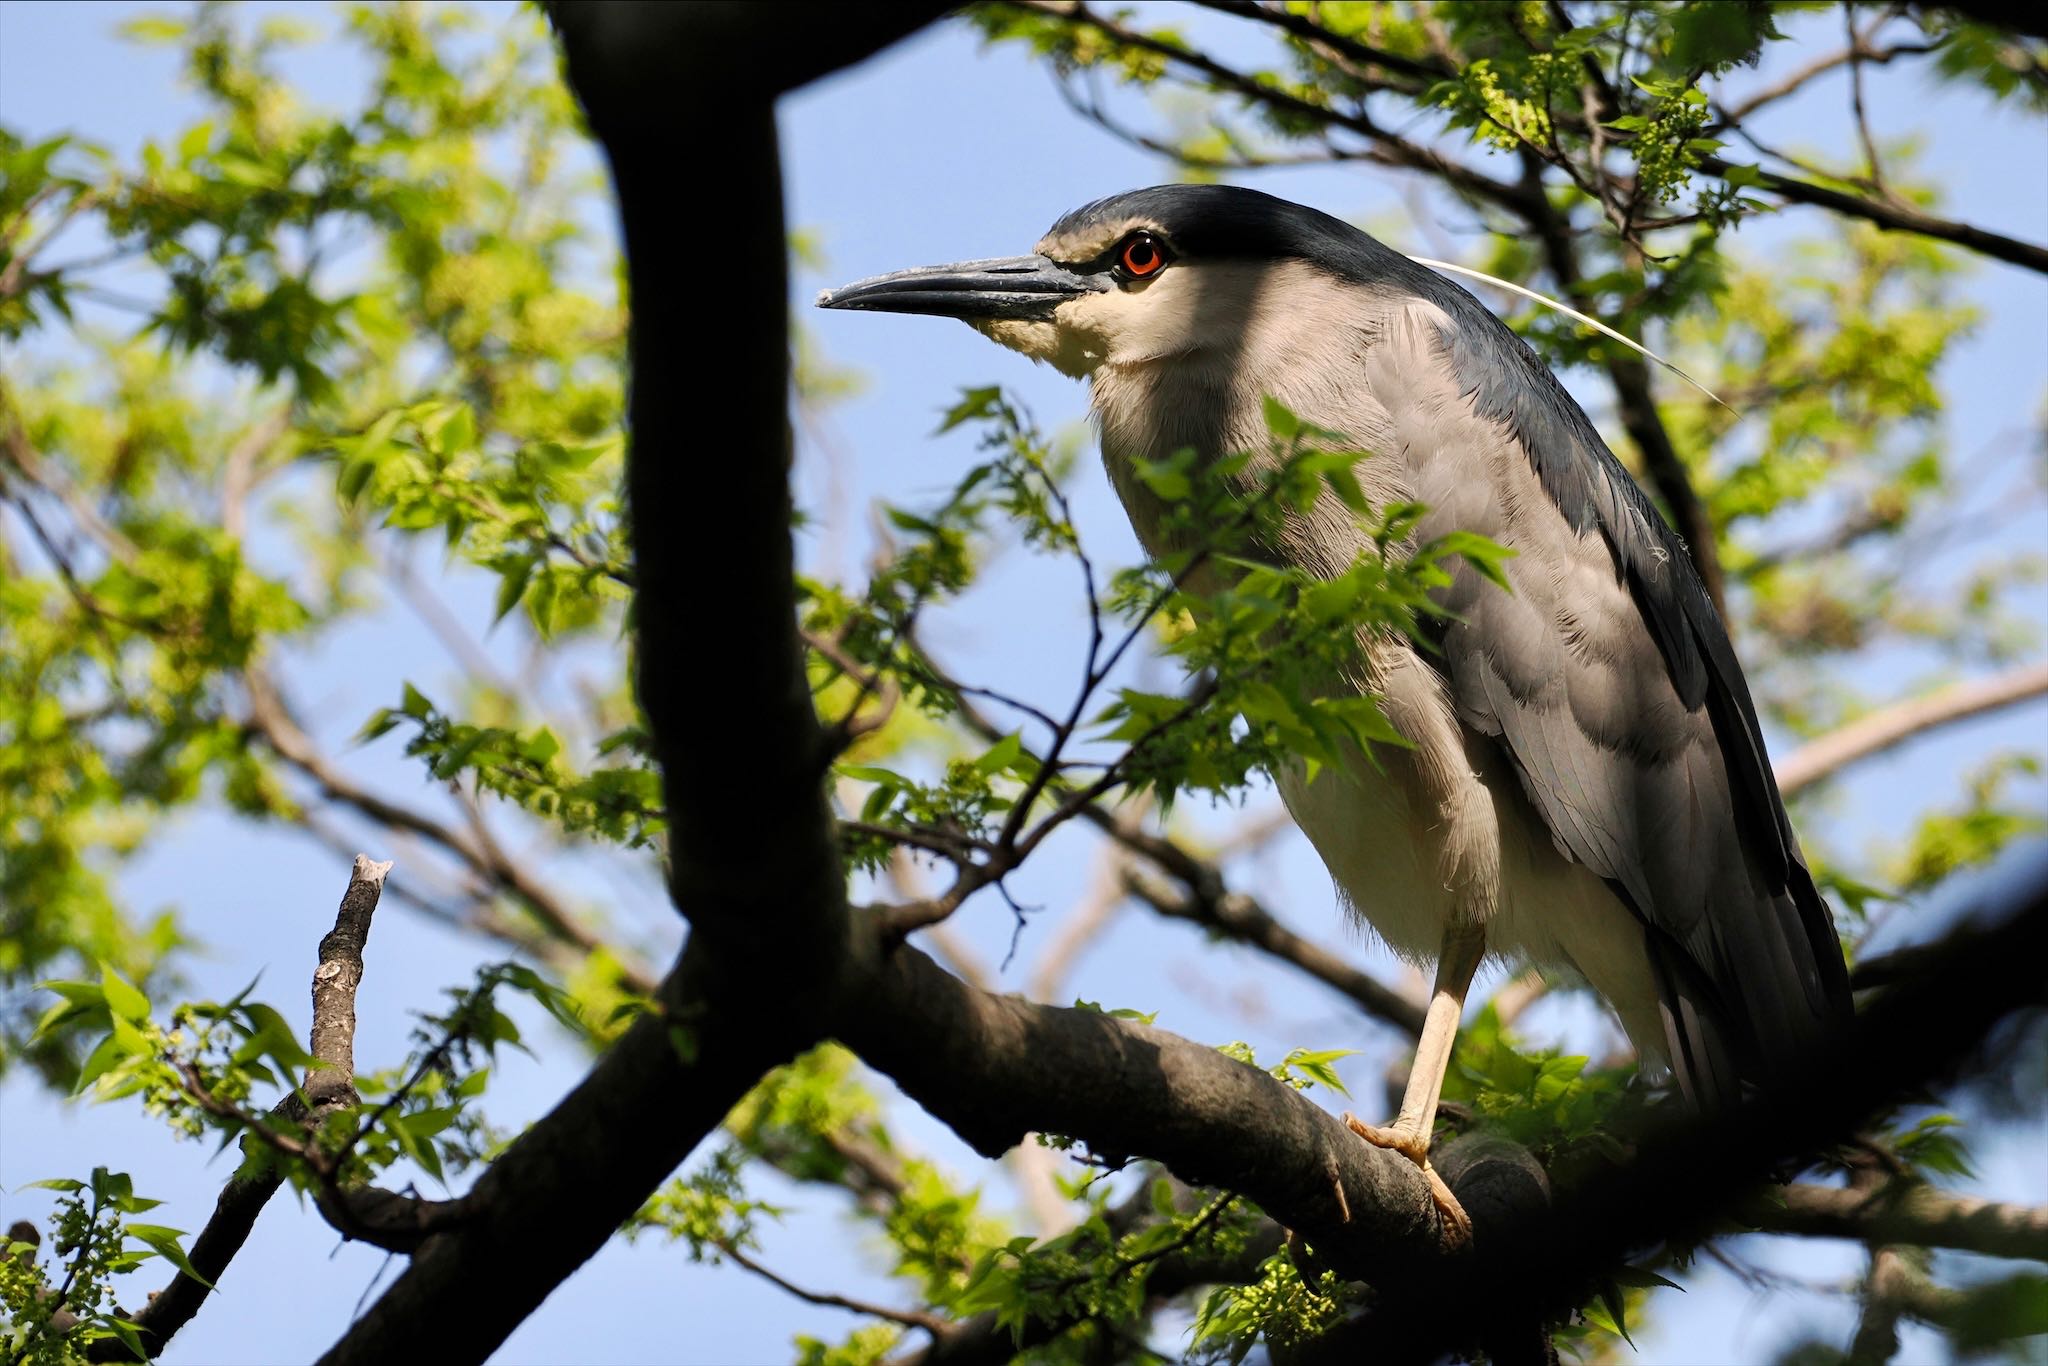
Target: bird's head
(1162, 273)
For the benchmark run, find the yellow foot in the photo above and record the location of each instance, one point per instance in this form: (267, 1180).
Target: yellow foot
(1415, 1147)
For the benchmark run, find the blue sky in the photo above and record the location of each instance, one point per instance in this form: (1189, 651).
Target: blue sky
(936, 151)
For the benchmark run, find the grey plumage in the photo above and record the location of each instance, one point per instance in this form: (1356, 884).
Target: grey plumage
(1604, 683)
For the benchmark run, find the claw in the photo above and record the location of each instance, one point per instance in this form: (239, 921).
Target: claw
(1457, 1224)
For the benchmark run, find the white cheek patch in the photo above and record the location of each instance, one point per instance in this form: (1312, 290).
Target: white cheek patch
(1065, 349)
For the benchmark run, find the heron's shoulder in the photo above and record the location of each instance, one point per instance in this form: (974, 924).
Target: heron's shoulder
(1511, 386)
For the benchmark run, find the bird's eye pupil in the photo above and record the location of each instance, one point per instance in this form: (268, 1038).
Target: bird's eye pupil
(1142, 256)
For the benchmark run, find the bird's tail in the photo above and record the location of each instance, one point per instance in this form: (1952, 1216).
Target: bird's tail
(1784, 1002)
(1699, 1038)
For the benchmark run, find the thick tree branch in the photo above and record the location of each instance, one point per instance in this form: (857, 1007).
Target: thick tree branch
(995, 1068)
(1880, 730)
(1685, 1175)
(335, 979)
(763, 931)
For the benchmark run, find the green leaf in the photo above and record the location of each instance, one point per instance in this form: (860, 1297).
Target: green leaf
(78, 993)
(512, 588)
(1316, 1064)
(154, 29)
(1001, 755)
(165, 1242)
(974, 404)
(102, 1060)
(1642, 1278)
(1479, 552)
(123, 999)
(1280, 419)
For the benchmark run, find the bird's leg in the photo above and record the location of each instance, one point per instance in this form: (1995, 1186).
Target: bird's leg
(1410, 1132)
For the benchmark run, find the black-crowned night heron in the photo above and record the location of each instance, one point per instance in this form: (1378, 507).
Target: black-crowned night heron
(1587, 787)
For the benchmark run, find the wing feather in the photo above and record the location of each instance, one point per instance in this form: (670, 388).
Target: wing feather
(1607, 677)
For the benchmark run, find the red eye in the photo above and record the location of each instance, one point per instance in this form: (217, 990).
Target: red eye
(1141, 256)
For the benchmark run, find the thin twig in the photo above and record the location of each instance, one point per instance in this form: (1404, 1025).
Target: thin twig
(909, 1318)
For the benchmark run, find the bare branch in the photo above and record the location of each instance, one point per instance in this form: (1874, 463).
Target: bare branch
(270, 719)
(1394, 150)
(1873, 166)
(909, 1318)
(1880, 730)
(1901, 1211)
(1894, 217)
(1793, 81)
(335, 979)
(1240, 918)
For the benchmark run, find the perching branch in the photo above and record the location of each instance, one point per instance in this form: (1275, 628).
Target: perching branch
(1686, 1175)
(995, 1068)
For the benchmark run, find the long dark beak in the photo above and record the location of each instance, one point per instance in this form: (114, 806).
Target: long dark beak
(1024, 287)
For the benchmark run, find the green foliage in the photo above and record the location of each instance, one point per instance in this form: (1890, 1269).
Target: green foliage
(707, 1210)
(1278, 1308)
(1271, 643)
(1544, 1100)
(202, 1072)
(618, 803)
(50, 1314)
(321, 344)
(868, 1345)
(1945, 841)
(1095, 1275)
(1301, 1069)
(450, 373)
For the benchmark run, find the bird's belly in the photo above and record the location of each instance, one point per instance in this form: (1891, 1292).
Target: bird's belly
(1385, 848)
(1384, 860)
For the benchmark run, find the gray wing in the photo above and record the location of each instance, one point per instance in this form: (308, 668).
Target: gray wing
(1609, 681)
